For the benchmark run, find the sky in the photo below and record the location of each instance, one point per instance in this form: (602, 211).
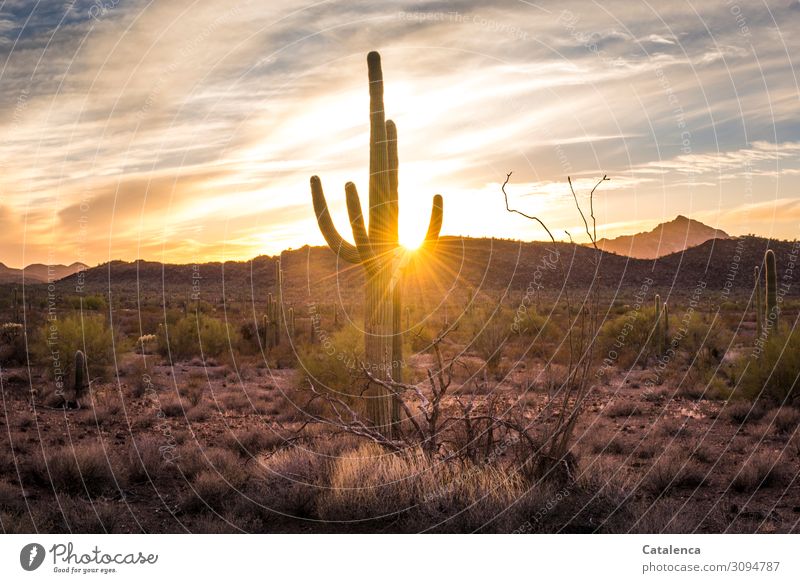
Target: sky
(187, 131)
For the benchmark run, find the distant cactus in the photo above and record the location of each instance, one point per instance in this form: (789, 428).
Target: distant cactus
(771, 285)
(290, 323)
(666, 328)
(759, 302)
(315, 322)
(81, 384)
(277, 315)
(271, 323)
(16, 307)
(657, 324)
(377, 250)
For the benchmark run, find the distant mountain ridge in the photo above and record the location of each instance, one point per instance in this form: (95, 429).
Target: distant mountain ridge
(313, 275)
(674, 236)
(39, 272)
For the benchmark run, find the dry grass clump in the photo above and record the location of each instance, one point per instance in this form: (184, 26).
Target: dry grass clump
(673, 427)
(371, 484)
(81, 469)
(621, 409)
(762, 470)
(289, 481)
(703, 453)
(95, 516)
(11, 497)
(150, 459)
(742, 412)
(253, 441)
(672, 472)
(786, 420)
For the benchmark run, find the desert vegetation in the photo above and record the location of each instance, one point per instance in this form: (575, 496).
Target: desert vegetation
(394, 400)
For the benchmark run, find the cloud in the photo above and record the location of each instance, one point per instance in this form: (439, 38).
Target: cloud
(192, 128)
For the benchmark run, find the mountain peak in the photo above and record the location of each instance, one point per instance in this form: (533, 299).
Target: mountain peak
(679, 234)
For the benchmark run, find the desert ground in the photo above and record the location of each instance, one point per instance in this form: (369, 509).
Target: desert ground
(208, 416)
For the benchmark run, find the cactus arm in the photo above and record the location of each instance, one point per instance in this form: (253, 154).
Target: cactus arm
(357, 223)
(435, 224)
(393, 165)
(378, 155)
(342, 248)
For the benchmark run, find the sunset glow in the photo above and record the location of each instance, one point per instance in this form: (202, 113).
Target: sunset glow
(192, 136)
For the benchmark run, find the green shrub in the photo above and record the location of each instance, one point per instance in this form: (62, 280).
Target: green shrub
(12, 344)
(195, 336)
(629, 339)
(490, 330)
(62, 337)
(773, 373)
(94, 303)
(700, 338)
(334, 362)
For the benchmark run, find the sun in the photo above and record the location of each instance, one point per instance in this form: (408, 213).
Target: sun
(410, 236)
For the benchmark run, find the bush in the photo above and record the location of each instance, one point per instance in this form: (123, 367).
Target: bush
(94, 303)
(334, 363)
(491, 330)
(703, 340)
(80, 470)
(12, 344)
(196, 335)
(773, 373)
(762, 470)
(62, 337)
(671, 472)
(629, 339)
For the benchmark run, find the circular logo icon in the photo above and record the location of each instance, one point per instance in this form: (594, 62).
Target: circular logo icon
(31, 556)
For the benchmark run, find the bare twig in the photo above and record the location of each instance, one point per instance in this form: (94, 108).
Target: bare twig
(533, 218)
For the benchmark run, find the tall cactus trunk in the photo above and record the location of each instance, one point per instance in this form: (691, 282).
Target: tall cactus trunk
(378, 348)
(377, 251)
(771, 283)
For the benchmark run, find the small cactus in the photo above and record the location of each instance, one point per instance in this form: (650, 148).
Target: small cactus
(657, 323)
(758, 301)
(267, 334)
(16, 307)
(81, 384)
(290, 323)
(278, 307)
(315, 321)
(771, 284)
(666, 327)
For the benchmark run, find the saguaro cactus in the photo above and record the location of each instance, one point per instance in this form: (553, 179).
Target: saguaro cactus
(771, 286)
(81, 384)
(377, 250)
(290, 323)
(272, 333)
(657, 323)
(277, 316)
(666, 327)
(759, 302)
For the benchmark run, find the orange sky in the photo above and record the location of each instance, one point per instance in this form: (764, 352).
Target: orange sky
(184, 131)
